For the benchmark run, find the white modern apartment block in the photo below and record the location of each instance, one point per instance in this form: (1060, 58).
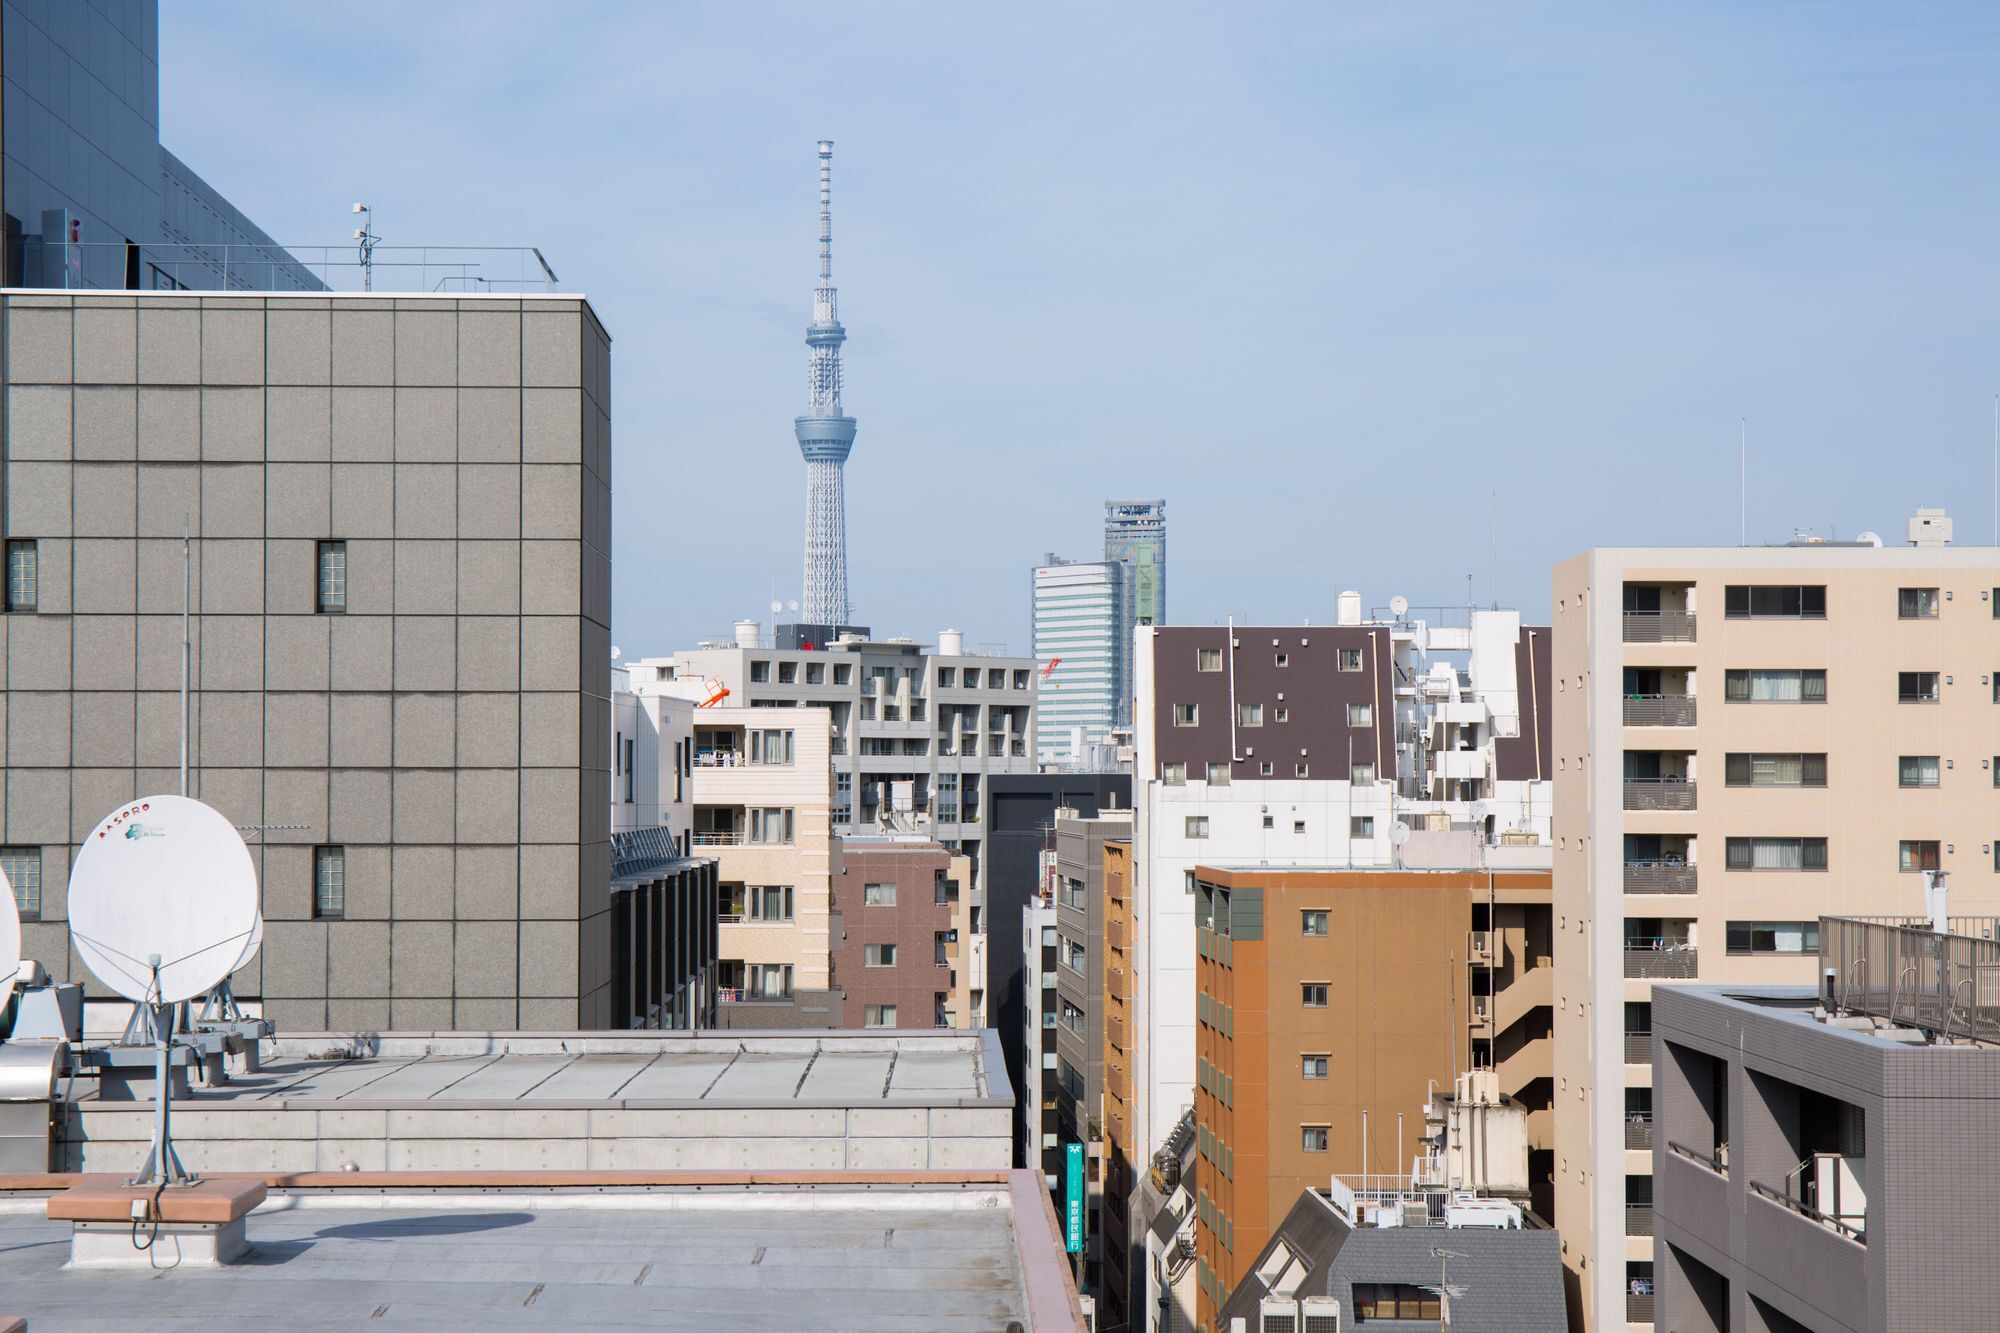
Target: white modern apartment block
(1079, 616)
(1386, 743)
(1746, 739)
(652, 755)
(761, 795)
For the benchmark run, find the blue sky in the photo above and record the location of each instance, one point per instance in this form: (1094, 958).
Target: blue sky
(1376, 296)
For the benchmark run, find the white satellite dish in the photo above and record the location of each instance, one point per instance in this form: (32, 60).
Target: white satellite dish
(1399, 833)
(250, 949)
(1399, 606)
(10, 938)
(777, 607)
(167, 878)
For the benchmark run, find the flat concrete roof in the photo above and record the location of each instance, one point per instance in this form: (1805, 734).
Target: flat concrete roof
(619, 1070)
(936, 1257)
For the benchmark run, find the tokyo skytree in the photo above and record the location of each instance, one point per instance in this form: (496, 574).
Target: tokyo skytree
(825, 435)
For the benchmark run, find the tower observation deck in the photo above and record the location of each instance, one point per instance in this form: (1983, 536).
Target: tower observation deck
(825, 433)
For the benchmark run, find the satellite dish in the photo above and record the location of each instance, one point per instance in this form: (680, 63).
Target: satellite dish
(1399, 606)
(10, 938)
(1399, 833)
(777, 607)
(163, 877)
(792, 605)
(250, 949)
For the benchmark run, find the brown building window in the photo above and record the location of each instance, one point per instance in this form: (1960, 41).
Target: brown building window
(1302, 769)
(1187, 715)
(1363, 775)
(1249, 715)
(1395, 1300)
(1283, 660)
(1917, 854)
(1361, 715)
(1264, 770)
(1208, 659)
(1312, 1066)
(1281, 715)
(878, 1016)
(1218, 775)
(1917, 770)
(1174, 775)
(1312, 995)
(1349, 659)
(1312, 923)
(878, 895)
(1312, 1138)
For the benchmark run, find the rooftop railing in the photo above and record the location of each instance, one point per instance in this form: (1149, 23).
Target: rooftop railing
(255, 267)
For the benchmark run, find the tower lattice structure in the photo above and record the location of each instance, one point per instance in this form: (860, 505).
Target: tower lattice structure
(826, 435)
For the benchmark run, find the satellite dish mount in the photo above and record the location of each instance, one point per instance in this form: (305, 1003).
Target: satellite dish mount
(163, 1165)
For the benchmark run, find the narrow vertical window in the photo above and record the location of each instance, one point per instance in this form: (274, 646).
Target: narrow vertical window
(627, 770)
(332, 577)
(329, 882)
(23, 575)
(23, 866)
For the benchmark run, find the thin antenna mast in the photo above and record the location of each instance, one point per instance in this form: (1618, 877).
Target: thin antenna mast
(1742, 481)
(1996, 469)
(184, 654)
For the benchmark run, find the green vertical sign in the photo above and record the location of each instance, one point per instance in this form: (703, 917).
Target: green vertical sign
(1073, 1198)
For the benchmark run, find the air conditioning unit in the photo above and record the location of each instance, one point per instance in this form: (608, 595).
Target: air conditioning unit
(1277, 1317)
(1319, 1314)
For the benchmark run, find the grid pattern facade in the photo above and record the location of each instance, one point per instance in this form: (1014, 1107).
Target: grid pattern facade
(1079, 621)
(446, 728)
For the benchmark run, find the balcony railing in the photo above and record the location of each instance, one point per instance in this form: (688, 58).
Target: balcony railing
(1858, 1235)
(719, 759)
(1638, 1219)
(1659, 627)
(1672, 962)
(1638, 1047)
(1661, 876)
(718, 838)
(1638, 1133)
(1659, 710)
(1638, 1307)
(1659, 794)
(1718, 1161)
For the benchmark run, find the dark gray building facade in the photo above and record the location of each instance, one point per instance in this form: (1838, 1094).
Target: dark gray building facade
(89, 196)
(399, 512)
(1824, 1169)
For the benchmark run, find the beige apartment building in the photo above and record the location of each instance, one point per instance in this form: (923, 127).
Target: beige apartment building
(762, 797)
(1745, 739)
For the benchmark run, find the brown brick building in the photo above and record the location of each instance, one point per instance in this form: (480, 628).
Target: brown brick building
(1326, 994)
(1120, 1150)
(896, 947)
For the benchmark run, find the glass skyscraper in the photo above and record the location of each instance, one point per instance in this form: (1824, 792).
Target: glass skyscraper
(1079, 614)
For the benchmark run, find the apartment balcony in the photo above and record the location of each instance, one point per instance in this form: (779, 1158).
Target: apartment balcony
(1114, 1032)
(1638, 1219)
(1114, 934)
(1661, 876)
(1659, 627)
(1659, 794)
(1660, 960)
(718, 838)
(1659, 710)
(720, 759)
(1639, 1133)
(1638, 1307)
(1638, 1045)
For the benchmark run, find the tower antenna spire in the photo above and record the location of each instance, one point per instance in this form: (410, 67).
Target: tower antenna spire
(825, 433)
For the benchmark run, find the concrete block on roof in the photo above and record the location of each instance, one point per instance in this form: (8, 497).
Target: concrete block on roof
(299, 346)
(169, 345)
(345, 1154)
(982, 1154)
(358, 806)
(39, 345)
(356, 1015)
(515, 1122)
(426, 346)
(488, 1155)
(106, 345)
(426, 425)
(298, 424)
(232, 425)
(363, 347)
(419, 950)
(883, 1154)
(106, 504)
(169, 424)
(232, 345)
(38, 421)
(489, 425)
(363, 424)
(296, 649)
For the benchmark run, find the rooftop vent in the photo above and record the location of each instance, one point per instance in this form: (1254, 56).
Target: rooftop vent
(1930, 527)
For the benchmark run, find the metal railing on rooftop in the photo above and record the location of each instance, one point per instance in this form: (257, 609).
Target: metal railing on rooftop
(1948, 985)
(390, 269)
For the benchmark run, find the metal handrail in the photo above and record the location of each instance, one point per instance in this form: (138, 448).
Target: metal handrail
(1718, 1163)
(1785, 1200)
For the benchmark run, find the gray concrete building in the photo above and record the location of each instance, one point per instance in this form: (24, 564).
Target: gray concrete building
(399, 570)
(1820, 1157)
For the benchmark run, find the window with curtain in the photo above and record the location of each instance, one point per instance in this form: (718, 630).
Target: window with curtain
(1775, 770)
(1917, 603)
(1776, 853)
(1774, 686)
(1917, 770)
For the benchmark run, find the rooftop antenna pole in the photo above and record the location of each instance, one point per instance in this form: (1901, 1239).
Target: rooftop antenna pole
(368, 240)
(184, 654)
(1742, 481)
(1996, 469)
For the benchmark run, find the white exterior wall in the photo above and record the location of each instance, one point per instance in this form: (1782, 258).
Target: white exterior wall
(1077, 620)
(661, 729)
(1035, 917)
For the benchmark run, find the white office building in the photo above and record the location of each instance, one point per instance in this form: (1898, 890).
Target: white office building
(1079, 616)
